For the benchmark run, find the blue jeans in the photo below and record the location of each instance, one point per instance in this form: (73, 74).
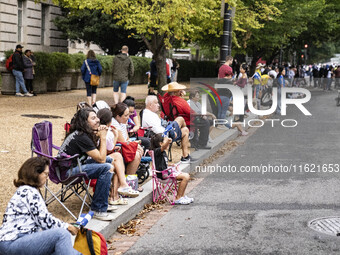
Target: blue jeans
(122, 84)
(19, 81)
(222, 110)
(101, 172)
(278, 108)
(52, 241)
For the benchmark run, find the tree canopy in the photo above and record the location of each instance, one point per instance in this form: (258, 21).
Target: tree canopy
(94, 26)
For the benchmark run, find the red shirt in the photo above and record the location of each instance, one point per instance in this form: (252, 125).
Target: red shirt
(224, 71)
(182, 106)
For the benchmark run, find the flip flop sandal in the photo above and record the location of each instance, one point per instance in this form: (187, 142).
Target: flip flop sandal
(119, 201)
(128, 191)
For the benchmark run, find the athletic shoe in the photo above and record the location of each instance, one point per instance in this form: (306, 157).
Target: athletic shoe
(190, 199)
(182, 201)
(19, 95)
(28, 94)
(244, 133)
(187, 159)
(103, 216)
(111, 208)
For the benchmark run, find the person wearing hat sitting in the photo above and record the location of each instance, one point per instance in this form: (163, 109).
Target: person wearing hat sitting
(174, 97)
(180, 131)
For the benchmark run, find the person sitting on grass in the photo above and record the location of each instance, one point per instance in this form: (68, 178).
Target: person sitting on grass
(83, 137)
(159, 144)
(28, 227)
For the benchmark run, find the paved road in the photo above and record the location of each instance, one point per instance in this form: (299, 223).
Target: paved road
(254, 213)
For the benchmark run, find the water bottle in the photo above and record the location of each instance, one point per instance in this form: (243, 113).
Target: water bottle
(84, 218)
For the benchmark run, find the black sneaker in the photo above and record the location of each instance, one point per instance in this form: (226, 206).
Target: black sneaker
(187, 159)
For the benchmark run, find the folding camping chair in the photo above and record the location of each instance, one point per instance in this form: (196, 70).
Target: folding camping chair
(162, 189)
(42, 146)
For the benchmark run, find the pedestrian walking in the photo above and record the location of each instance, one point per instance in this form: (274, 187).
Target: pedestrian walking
(91, 66)
(18, 69)
(123, 71)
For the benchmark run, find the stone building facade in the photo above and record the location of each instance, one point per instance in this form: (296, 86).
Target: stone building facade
(30, 24)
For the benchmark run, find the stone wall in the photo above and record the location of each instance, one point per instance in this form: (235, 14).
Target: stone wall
(30, 24)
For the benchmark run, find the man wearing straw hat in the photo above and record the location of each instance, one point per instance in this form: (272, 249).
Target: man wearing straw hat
(181, 132)
(174, 96)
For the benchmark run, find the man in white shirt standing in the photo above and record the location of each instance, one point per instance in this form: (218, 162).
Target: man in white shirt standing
(181, 132)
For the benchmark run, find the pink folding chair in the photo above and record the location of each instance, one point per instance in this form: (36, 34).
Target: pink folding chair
(162, 189)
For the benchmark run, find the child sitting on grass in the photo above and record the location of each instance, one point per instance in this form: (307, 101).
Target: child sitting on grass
(159, 144)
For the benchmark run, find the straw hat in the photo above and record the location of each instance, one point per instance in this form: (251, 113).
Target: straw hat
(173, 86)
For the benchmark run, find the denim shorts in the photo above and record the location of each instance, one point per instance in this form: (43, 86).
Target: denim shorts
(122, 84)
(177, 129)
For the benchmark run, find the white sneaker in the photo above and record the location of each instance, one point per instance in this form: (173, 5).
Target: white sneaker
(190, 199)
(111, 208)
(28, 94)
(244, 133)
(19, 95)
(103, 216)
(182, 201)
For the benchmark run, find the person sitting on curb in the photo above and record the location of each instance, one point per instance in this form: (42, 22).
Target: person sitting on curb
(28, 227)
(181, 132)
(159, 144)
(105, 117)
(174, 96)
(82, 139)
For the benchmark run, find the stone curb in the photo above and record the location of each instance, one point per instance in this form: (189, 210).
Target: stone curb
(128, 212)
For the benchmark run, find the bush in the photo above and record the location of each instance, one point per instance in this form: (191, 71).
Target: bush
(196, 69)
(52, 65)
(106, 62)
(141, 65)
(77, 60)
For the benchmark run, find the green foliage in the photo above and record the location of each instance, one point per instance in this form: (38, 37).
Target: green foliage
(94, 26)
(141, 65)
(196, 69)
(77, 60)
(8, 53)
(52, 65)
(106, 62)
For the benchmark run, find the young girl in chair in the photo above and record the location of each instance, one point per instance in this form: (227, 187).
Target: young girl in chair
(159, 144)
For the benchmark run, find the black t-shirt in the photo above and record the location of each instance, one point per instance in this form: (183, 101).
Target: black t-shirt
(161, 161)
(77, 143)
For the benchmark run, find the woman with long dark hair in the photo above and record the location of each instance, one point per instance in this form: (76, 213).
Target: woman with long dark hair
(95, 67)
(28, 227)
(83, 139)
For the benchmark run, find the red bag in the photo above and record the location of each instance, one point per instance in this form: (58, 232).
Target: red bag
(129, 151)
(9, 63)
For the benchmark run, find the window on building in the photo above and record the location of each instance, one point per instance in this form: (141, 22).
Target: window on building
(20, 15)
(44, 12)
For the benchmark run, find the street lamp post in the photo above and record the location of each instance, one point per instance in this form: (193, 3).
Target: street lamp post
(226, 36)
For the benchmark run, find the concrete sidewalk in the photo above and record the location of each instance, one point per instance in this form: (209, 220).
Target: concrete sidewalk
(127, 212)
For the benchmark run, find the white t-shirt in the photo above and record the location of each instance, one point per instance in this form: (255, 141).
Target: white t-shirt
(121, 127)
(109, 140)
(151, 119)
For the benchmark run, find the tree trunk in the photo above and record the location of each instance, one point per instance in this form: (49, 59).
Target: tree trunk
(161, 69)
(157, 47)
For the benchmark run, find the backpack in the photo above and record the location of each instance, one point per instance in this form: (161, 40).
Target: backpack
(90, 242)
(9, 63)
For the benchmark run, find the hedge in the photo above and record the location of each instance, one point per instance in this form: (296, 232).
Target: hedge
(55, 64)
(196, 69)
